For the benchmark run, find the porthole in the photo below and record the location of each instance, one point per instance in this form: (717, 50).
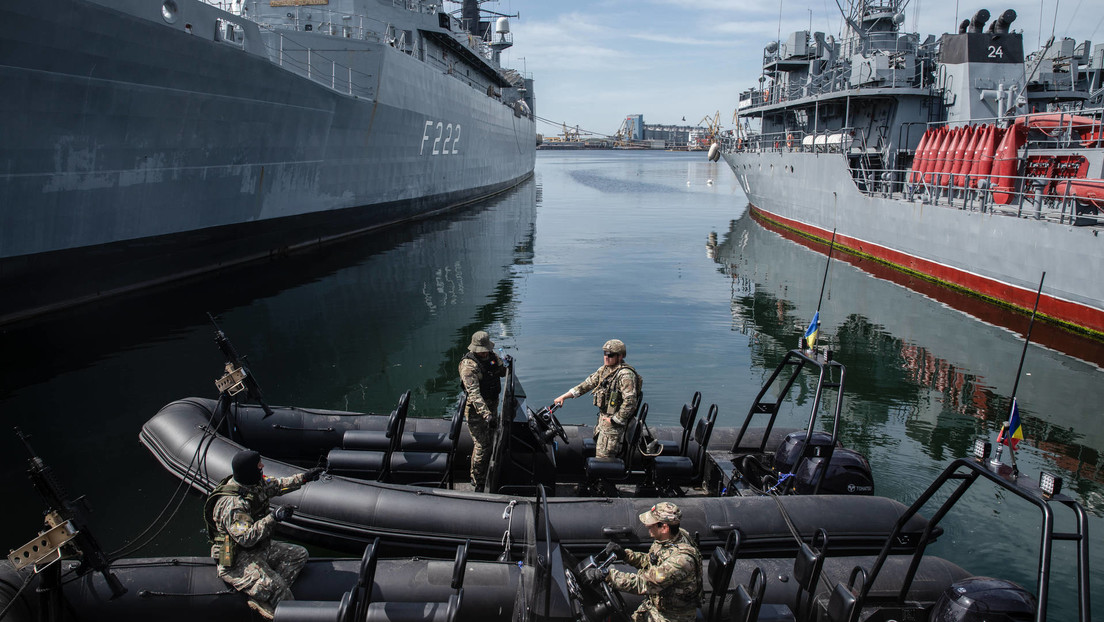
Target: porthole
(169, 11)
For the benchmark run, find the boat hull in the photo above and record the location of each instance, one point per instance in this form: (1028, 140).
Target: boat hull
(138, 152)
(344, 514)
(177, 589)
(996, 257)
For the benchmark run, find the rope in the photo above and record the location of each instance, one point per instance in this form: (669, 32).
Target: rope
(200, 460)
(508, 515)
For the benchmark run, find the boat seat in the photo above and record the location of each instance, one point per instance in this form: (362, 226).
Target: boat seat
(315, 611)
(675, 471)
(429, 468)
(747, 601)
(686, 420)
(364, 463)
(618, 468)
(349, 608)
(419, 465)
(447, 611)
(380, 440)
(721, 564)
(806, 571)
(366, 578)
(356, 463)
(843, 604)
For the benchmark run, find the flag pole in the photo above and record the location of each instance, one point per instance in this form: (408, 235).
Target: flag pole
(823, 281)
(814, 326)
(1006, 428)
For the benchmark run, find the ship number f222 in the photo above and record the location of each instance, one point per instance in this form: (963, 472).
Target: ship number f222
(445, 137)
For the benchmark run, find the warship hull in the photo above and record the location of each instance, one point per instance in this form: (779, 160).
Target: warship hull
(993, 256)
(144, 144)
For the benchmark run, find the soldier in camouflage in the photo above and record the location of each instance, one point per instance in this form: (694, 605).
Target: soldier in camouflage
(670, 573)
(617, 388)
(480, 372)
(240, 525)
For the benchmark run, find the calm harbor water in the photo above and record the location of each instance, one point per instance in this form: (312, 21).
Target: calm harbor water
(656, 249)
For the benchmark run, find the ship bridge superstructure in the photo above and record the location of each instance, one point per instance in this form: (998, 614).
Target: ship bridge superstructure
(332, 41)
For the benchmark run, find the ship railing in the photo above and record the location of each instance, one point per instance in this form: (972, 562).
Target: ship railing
(850, 140)
(315, 65)
(334, 23)
(1049, 199)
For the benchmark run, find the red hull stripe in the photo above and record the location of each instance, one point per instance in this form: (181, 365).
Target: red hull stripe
(1077, 317)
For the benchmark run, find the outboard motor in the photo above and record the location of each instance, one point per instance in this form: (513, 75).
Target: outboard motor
(977, 24)
(789, 451)
(848, 472)
(979, 599)
(1001, 24)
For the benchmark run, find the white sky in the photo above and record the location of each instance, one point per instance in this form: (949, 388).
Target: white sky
(596, 61)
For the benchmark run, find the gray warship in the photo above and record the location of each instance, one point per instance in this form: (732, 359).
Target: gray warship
(956, 159)
(148, 141)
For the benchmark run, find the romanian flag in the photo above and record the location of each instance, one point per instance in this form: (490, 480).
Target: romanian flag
(811, 332)
(1012, 434)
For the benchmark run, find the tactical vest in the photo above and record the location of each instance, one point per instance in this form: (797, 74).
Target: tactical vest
(677, 596)
(490, 385)
(607, 395)
(258, 509)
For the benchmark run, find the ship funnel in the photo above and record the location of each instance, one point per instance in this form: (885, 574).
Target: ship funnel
(978, 23)
(964, 27)
(1001, 24)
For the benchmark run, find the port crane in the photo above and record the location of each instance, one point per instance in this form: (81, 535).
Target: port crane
(712, 129)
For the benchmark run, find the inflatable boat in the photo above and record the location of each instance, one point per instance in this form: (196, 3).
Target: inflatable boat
(397, 483)
(533, 447)
(546, 582)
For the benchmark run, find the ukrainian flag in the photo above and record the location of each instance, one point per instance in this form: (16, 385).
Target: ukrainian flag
(811, 332)
(1014, 430)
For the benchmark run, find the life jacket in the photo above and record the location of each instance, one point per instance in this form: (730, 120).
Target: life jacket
(607, 395)
(490, 383)
(258, 509)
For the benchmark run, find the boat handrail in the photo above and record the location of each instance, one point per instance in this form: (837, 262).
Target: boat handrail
(830, 375)
(1047, 198)
(968, 471)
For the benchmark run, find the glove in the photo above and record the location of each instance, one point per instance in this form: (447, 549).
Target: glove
(615, 548)
(283, 513)
(593, 576)
(312, 475)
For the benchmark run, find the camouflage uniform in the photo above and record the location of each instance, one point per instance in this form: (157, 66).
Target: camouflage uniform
(616, 394)
(260, 567)
(670, 574)
(480, 378)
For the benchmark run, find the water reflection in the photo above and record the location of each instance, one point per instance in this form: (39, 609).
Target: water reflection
(916, 365)
(348, 327)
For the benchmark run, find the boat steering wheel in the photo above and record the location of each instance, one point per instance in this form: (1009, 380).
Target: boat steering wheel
(546, 426)
(596, 602)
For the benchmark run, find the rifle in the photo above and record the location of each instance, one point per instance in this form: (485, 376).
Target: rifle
(66, 526)
(238, 376)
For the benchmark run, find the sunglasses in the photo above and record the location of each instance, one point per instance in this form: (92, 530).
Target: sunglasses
(608, 353)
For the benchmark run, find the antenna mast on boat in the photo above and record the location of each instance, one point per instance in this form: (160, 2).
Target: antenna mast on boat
(809, 338)
(1012, 426)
